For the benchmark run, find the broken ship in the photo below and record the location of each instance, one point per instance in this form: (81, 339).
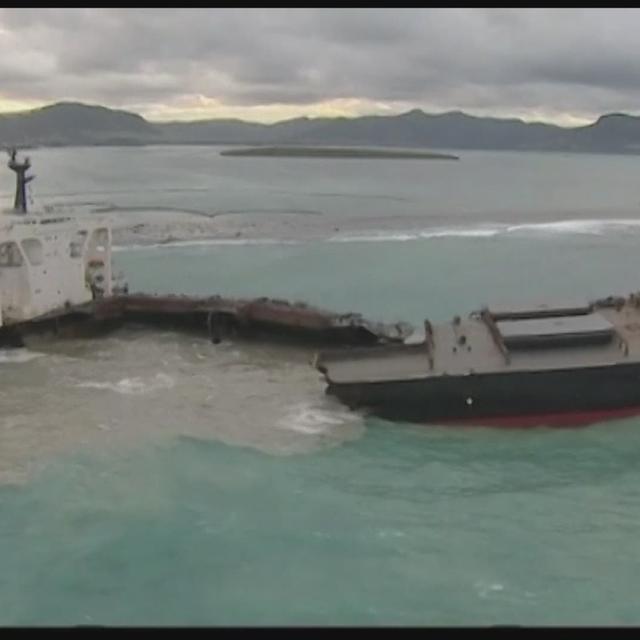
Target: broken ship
(56, 275)
(566, 363)
(572, 363)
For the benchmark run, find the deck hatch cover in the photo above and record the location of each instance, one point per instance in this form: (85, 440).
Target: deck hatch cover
(541, 309)
(559, 331)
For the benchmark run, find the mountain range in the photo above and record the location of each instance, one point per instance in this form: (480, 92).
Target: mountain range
(76, 124)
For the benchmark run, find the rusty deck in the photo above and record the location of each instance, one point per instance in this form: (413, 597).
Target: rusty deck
(219, 317)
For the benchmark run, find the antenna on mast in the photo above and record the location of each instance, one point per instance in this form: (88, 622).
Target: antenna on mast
(20, 168)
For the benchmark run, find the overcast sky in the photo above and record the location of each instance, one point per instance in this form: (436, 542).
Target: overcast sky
(561, 65)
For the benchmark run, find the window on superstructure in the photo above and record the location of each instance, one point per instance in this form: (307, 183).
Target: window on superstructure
(10, 255)
(33, 251)
(101, 239)
(76, 246)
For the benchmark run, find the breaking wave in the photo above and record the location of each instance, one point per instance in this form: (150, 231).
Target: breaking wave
(133, 386)
(589, 227)
(395, 236)
(593, 227)
(567, 227)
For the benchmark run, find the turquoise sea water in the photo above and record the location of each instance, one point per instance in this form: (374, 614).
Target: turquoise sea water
(172, 482)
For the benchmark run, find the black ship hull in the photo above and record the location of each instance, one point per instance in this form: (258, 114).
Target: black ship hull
(527, 398)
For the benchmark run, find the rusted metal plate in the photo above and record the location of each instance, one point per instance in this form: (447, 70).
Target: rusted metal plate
(257, 313)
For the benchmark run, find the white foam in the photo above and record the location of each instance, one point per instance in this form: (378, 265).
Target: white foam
(576, 227)
(392, 236)
(569, 227)
(595, 227)
(305, 418)
(132, 386)
(484, 232)
(16, 356)
(485, 589)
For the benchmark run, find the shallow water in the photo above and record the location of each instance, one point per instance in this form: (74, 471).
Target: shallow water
(153, 478)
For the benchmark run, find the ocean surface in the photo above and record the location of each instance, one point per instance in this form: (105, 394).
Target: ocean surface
(152, 478)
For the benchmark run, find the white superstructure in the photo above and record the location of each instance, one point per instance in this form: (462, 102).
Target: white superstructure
(49, 263)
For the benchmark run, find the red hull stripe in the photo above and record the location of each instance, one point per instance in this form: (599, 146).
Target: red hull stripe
(567, 419)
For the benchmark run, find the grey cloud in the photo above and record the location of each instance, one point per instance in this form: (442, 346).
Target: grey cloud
(573, 60)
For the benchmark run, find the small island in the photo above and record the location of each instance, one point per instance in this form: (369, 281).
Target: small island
(335, 152)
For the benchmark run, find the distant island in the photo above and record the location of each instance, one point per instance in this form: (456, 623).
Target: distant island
(74, 124)
(334, 152)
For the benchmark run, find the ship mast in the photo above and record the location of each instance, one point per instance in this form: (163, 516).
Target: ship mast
(20, 168)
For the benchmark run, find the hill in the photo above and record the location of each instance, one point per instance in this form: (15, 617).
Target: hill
(71, 124)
